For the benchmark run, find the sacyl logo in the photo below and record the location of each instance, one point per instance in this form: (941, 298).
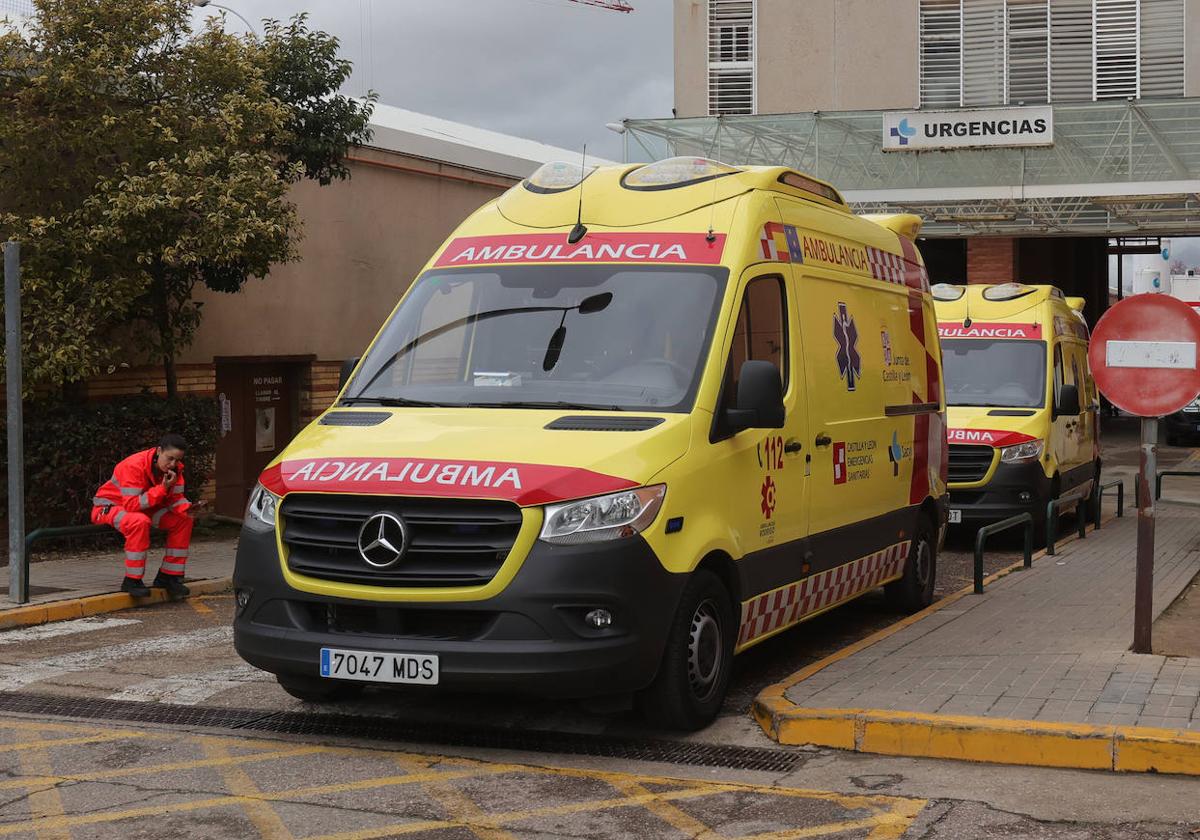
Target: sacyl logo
(903, 131)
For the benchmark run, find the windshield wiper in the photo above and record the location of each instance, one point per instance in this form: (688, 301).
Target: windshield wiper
(549, 404)
(390, 402)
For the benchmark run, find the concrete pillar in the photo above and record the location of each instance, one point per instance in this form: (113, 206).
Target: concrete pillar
(991, 259)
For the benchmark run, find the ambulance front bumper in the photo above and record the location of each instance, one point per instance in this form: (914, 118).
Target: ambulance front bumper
(532, 638)
(1014, 488)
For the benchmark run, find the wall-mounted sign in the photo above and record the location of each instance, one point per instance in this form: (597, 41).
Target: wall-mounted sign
(918, 131)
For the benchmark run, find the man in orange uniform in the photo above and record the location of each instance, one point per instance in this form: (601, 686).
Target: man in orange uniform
(146, 489)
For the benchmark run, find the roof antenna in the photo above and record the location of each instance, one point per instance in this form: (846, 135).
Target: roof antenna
(967, 311)
(579, 231)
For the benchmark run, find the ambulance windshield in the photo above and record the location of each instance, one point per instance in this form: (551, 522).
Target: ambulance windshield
(604, 337)
(1002, 373)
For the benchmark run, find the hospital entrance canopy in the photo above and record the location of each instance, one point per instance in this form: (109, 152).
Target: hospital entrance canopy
(1115, 168)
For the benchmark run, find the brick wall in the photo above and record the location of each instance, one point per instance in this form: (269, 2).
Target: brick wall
(991, 259)
(318, 389)
(198, 380)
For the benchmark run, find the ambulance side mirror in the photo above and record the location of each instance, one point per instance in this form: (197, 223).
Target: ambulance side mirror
(759, 398)
(1067, 402)
(348, 367)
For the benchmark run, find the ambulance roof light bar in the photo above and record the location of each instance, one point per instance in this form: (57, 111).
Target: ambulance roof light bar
(557, 176)
(947, 291)
(675, 172)
(1006, 291)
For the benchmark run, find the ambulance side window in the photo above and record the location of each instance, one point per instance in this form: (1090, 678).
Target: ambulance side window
(1059, 371)
(760, 334)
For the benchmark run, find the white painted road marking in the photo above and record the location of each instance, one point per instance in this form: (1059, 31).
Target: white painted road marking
(63, 628)
(14, 677)
(190, 689)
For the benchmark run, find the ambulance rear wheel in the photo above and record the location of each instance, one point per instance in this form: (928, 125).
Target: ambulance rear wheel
(694, 673)
(312, 690)
(914, 591)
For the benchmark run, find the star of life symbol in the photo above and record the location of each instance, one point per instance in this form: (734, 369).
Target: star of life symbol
(382, 540)
(768, 497)
(845, 333)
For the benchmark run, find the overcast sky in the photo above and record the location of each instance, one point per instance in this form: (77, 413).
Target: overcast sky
(550, 70)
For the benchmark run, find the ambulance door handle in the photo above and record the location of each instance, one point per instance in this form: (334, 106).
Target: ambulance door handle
(823, 440)
(792, 445)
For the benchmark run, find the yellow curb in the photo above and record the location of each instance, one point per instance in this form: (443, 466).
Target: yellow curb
(97, 604)
(993, 740)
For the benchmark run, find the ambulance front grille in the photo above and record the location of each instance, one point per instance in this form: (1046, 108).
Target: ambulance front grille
(969, 463)
(452, 542)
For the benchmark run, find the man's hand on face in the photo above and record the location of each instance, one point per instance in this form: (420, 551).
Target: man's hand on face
(169, 478)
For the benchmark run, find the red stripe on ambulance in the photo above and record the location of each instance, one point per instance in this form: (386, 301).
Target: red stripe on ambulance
(525, 484)
(987, 437)
(953, 329)
(595, 248)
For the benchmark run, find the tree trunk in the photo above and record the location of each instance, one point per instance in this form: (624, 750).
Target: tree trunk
(162, 311)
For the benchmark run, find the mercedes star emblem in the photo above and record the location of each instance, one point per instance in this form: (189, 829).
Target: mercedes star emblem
(382, 540)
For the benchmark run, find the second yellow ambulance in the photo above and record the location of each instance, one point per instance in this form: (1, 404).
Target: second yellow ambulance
(1023, 408)
(624, 425)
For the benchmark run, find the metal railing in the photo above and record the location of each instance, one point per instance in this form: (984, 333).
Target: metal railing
(1053, 511)
(51, 534)
(1159, 477)
(1022, 519)
(1098, 506)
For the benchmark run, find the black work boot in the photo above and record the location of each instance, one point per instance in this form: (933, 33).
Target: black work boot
(172, 583)
(134, 587)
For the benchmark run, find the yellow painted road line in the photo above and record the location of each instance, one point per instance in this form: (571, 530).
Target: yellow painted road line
(667, 812)
(455, 801)
(198, 606)
(44, 802)
(896, 822)
(159, 769)
(814, 830)
(66, 742)
(261, 814)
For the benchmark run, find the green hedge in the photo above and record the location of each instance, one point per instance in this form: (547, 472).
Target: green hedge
(71, 448)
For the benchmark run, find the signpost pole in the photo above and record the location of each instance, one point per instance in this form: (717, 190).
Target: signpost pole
(18, 573)
(1143, 591)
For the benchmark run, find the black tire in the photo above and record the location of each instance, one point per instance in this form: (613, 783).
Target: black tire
(312, 690)
(914, 591)
(697, 661)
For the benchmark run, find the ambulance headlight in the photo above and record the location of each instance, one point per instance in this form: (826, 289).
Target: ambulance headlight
(1030, 450)
(611, 517)
(261, 508)
(947, 291)
(1006, 291)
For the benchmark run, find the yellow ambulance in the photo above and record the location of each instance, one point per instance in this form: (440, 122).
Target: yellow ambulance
(625, 424)
(1023, 408)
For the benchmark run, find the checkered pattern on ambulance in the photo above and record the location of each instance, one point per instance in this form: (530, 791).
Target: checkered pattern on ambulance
(782, 607)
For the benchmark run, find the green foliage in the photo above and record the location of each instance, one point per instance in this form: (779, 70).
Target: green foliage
(139, 158)
(71, 448)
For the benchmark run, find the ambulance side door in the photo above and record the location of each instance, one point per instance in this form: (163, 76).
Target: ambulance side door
(768, 503)
(1062, 440)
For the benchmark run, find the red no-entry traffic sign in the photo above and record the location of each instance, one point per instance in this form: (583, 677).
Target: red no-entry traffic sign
(1144, 355)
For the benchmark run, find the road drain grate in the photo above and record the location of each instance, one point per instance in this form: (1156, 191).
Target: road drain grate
(386, 729)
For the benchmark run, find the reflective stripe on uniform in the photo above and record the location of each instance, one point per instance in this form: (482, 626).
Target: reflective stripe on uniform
(180, 502)
(143, 500)
(177, 489)
(135, 555)
(175, 552)
(129, 491)
(158, 515)
(117, 521)
(102, 502)
(172, 566)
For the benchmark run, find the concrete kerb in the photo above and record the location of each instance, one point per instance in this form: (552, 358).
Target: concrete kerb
(69, 608)
(968, 738)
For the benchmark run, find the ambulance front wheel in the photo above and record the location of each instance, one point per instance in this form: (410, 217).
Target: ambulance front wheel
(914, 590)
(694, 673)
(313, 690)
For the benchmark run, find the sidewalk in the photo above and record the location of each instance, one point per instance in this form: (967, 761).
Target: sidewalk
(87, 584)
(1042, 654)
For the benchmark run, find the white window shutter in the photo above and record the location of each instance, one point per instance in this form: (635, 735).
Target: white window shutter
(1116, 48)
(983, 52)
(941, 53)
(1028, 51)
(1161, 62)
(1071, 38)
(731, 57)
